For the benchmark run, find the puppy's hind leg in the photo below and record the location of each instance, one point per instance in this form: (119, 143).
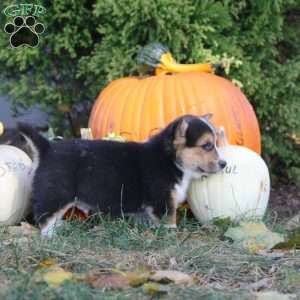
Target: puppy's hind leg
(51, 199)
(145, 217)
(48, 228)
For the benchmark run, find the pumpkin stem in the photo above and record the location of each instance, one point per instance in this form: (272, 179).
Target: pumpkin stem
(180, 68)
(159, 56)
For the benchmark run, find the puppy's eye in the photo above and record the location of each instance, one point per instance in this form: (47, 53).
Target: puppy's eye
(207, 147)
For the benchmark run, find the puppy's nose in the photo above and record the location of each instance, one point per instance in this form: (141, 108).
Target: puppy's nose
(222, 163)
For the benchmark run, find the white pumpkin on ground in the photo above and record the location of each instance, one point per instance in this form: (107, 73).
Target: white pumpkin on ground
(239, 191)
(15, 184)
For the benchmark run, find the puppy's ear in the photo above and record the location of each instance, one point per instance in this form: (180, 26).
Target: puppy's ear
(180, 133)
(207, 117)
(221, 137)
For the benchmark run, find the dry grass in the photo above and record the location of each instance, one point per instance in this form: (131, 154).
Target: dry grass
(220, 270)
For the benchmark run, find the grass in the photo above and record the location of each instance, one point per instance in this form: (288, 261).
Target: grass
(221, 271)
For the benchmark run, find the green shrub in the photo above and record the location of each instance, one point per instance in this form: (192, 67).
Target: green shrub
(89, 43)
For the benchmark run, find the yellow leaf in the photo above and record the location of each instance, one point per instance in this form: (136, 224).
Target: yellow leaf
(56, 276)
(137, 279)
(171, 276)
(49, 262)
(155, 288)
(107, 281)
(253, 236)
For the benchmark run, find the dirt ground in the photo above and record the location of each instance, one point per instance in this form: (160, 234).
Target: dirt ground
(285, 200)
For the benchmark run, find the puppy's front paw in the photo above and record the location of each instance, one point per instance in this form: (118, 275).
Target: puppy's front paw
(170, 226)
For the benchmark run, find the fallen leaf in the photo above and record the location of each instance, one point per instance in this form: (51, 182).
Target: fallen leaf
(49, 262)
(28, 229)
(264, 283)
(171, 276)
(56, 276)
(23, 229)
(273, 295)
(137, 279)
(222, 223)
(20, 235)
(293, 223)
(253, 236)
(108, 281)
(292, 243)
(155, 288)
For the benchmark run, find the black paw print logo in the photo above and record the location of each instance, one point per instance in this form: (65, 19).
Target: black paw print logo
(24, 31)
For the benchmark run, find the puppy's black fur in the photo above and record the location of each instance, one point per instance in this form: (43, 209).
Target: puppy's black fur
(110, 177)
(13, 137)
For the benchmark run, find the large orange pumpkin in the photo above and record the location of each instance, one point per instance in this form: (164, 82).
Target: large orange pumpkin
(138, 107)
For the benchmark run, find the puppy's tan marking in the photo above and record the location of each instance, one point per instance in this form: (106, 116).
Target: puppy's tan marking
(171, 217)
(196, 158)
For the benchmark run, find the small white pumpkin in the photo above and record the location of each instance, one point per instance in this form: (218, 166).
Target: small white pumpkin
(15, 184)
(239, 191)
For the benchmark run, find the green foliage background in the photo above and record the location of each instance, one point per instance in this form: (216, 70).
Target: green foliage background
(91, 42)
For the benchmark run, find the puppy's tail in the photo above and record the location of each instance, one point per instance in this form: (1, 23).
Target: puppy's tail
(38, 144)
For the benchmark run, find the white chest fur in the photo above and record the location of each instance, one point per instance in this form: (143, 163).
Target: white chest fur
(181, 187)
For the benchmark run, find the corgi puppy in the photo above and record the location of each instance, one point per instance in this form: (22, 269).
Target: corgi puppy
(147, 179)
